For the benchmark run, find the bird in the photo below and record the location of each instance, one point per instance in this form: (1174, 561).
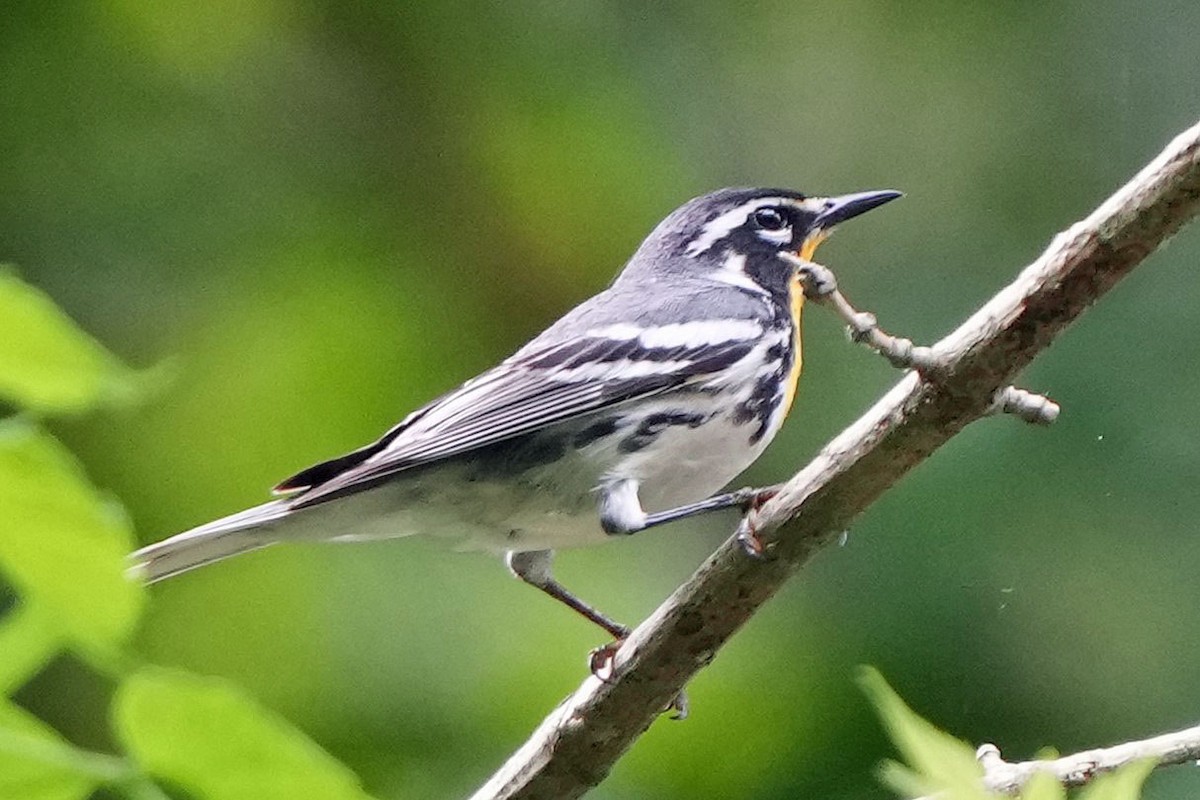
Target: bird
(631, 411)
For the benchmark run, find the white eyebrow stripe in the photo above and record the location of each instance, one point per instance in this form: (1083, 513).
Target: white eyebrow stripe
(739, 280)
(718, 228)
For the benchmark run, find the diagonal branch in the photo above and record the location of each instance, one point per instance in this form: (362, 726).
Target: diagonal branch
(576, 745)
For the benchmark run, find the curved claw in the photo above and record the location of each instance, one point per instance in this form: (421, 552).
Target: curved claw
(602, 660)
(752, 546)
(747, 536)
(678, 705)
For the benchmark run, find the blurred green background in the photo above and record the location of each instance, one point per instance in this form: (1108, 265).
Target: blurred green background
(322, 214)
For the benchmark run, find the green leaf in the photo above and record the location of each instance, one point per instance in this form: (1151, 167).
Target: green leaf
(939, 762)
(206, 736)
(27, 640)
(1043, 786)
(902, 780)
(47, 364)
(1122, 784)
(62, 546)
(36, 764)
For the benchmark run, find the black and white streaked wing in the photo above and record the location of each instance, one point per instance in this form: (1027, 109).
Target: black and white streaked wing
(536, 388)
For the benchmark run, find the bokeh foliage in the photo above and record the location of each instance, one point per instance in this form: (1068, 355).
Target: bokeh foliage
(323, 214)
(62, 554)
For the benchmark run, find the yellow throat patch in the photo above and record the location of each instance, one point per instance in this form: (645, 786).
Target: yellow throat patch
(796, 296)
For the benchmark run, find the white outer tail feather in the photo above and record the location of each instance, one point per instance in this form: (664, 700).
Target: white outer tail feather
(229, 536)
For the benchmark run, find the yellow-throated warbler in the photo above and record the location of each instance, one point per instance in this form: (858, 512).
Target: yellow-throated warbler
(628, 412)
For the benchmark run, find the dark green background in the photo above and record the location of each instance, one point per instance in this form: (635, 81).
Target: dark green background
(322, 214)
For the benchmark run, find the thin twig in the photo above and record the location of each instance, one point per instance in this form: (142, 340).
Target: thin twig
(577, 744)
(1005, 777)
(821, 286)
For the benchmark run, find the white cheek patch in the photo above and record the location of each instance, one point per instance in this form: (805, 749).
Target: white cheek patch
(733, 272)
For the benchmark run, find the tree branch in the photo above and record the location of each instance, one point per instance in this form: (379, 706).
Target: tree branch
(1004, 777)
(577, 744)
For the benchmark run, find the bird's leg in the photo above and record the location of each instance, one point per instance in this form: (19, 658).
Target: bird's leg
(621, 511)
(745, 499)
(533, 567)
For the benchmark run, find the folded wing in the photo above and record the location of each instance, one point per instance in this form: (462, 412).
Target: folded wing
(536, 388)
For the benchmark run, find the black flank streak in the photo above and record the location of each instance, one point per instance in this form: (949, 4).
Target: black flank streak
(597, 430)
(653, 425)
(514, 457)
(762, 403)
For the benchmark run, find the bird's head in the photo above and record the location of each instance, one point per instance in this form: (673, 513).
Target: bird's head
(738, 234)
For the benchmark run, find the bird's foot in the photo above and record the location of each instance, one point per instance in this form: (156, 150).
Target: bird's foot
(747, 534)
(752, 498)
(602, 660)
(752, 546)
(678, 707)
(602, 663)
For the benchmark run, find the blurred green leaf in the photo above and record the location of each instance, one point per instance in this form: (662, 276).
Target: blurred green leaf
(1122, 784)
(208, 737)
(36, 764)
(902, 780)
(28, 640)
(939, 761)
(47, 364)
(1043, 786)
(63, 546)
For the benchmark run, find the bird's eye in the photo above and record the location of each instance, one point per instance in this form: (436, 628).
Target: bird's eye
(769, 219)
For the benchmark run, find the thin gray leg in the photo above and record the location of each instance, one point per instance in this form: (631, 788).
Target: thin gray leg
(533, 567)
(742, 498)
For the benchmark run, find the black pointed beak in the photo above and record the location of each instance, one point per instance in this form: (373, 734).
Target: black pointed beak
(847, 206)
